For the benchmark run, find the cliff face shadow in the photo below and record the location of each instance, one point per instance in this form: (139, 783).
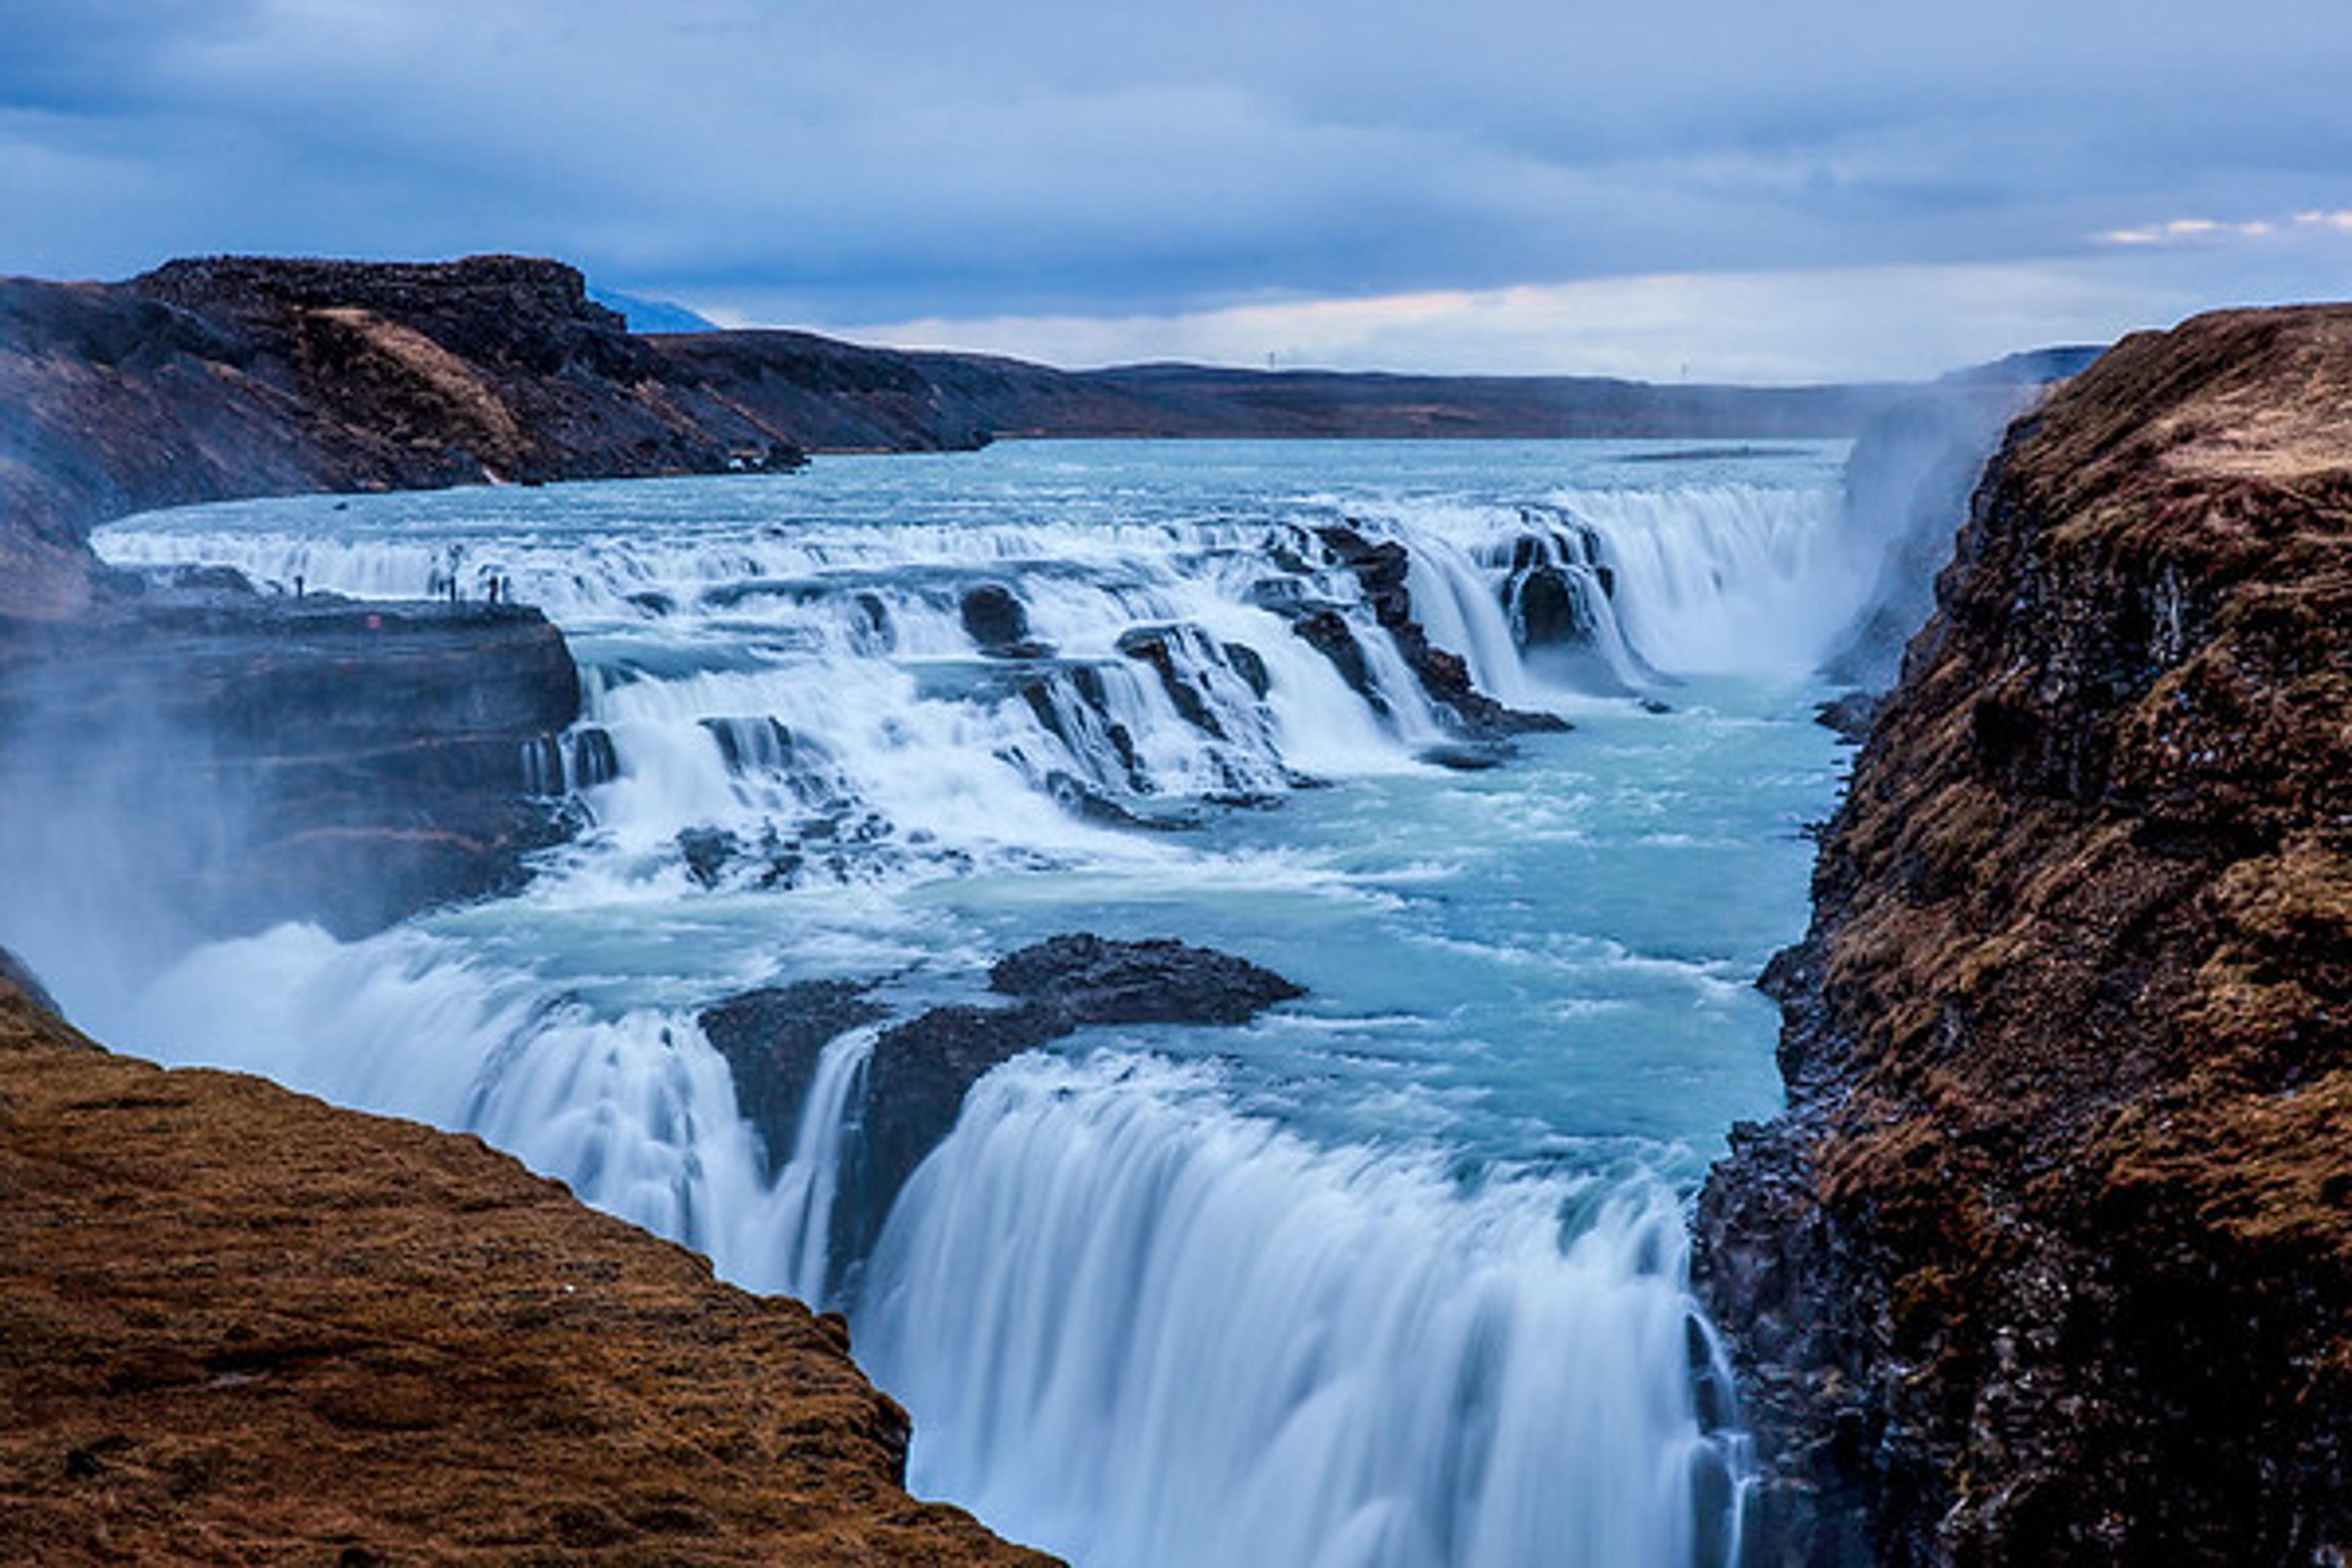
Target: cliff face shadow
(196, 763)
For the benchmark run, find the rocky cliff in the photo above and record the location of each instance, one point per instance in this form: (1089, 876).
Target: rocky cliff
(238, 1325)
(2049, 1260)
(921, 1067)
(230, 376)
(199, 760)
(205, 759)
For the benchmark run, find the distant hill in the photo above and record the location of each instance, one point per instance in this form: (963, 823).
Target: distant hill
(2029, 366)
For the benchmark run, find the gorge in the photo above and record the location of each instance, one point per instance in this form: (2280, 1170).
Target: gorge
(1986, 1290)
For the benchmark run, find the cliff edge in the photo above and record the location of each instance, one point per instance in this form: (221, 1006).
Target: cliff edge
(2049, 1260)
(219, 377)
(238, 1325)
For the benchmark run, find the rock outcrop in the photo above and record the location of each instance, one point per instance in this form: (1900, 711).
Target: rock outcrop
(204, 759)
(238, 1325)
(200, 761)
(1380, 571)
(2050, 1261)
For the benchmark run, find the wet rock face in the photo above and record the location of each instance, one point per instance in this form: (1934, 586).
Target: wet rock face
(220, 761)
(1545, 611)
(1382, 570)
(921, 1067)
(998, 623)
(1148, 646)
(1328, 633)
(772, 1038)
(1096, 981)
(2048, 1262)
(243, 1325)
(1555, 572)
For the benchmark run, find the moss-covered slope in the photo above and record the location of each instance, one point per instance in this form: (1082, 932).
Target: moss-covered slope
(2050, 1261)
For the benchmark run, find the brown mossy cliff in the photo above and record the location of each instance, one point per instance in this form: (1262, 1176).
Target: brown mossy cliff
(239, 1326)
(2051, 1259)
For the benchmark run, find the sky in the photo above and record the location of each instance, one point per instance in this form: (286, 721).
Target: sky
(1672, 189)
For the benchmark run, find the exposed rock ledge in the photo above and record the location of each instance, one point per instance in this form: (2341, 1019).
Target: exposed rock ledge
(2050, 1261)
(206, 761)
(202, 761)
(921, 1067)
(239, 1326)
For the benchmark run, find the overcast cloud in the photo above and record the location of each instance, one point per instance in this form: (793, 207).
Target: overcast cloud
(1821, 188)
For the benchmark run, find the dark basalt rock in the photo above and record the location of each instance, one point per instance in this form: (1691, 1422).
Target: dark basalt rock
(1468, 757)
(1247, 664)
(1096, 981)
(921, 1069)
(213, 761)
(708, 852)
(1081, 799)
(998, 623)
(1382, 570)
(230, 376)
(1149, 646)
(915, 1087)
(1545, 611)
(1555, 575)
(1088, 682)
(1328, 633)
(1851, 714)
(772, 1038)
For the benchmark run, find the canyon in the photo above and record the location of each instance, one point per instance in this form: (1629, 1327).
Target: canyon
(2049, 1258)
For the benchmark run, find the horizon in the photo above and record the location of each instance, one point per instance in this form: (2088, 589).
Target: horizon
(684, 321)
(1693, 195)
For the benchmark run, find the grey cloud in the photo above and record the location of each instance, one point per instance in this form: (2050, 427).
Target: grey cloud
(924, 157)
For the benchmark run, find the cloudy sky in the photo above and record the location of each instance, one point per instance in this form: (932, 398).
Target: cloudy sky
(1723, 189)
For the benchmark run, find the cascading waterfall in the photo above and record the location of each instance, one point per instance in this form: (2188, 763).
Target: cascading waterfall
(1182, 1336)
(810, 1180)
(1145, 1312)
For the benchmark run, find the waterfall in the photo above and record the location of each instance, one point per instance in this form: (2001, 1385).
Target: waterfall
(808, 1183)
(1154, 1332)
(633, 1110)
(1142, 1312)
